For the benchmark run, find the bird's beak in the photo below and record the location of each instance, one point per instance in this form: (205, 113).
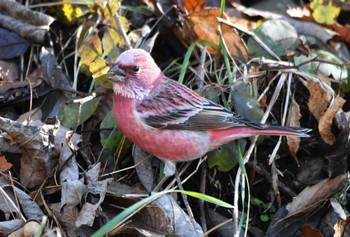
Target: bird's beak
(116, 74)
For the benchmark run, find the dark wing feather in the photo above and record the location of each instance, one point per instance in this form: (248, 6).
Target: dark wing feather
(174, 106)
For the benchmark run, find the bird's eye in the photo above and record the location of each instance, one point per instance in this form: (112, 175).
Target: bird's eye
(135, 69)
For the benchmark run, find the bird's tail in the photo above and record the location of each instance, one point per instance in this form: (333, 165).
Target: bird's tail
(281, 130)
(219, 137)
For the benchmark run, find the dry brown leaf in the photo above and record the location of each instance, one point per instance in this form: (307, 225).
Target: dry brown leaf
(343, 31)
(293, 119)
(30, 24)
(203, 25)
(38, 152)
(308, 231)
(66, 216)
(4, 165)
(311, 197)
(193, 5)
(31, 228)
(326, 120)
(319, 99)
(340, 226)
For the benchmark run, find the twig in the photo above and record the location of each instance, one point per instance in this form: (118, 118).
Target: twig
(267, 112)
(274, 183)
(201, 202)
(184, 198)
(254, 37)
(122, 31)
(12, 203)
(200, 69)
(217, 227)
(278, 144)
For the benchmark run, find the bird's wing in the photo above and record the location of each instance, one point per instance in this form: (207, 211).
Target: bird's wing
(174, 106)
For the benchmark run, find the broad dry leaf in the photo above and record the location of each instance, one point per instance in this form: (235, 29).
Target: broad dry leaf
(319, 99)
(4, 165)
(10, 227)
(340, 227)
(326, 120)
(67, 216)
(293, 119)
(38, 152)
(342, 30)
(90, 210)
(164, 215)
(311, 197)
(309, 230)
(194, 5)
(203, 25)
(144, 168)
(31, 228)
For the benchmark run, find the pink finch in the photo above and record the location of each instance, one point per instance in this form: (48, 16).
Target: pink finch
(169, 120)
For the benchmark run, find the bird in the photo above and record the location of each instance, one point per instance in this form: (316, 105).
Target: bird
(171, 121)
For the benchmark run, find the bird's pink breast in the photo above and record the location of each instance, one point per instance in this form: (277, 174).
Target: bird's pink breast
(169, 144)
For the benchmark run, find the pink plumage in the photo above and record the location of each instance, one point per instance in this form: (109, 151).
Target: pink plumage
(169, 120)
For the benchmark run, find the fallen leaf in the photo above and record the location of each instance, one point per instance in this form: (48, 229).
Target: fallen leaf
(343, 31)
(340, 227)
(278, 35)
(166, 216)
(311, 197)
(293, 120)
(94, 197)
(194, 5)
(338, 158)
(144, 168)
(289, 218)
(38, 152)
(308, 230)
(324, 12)
(319, 99)
(11, 44)
(326, 121)
(4, 165)
(66, 215)
(31, 228)
(203, 25)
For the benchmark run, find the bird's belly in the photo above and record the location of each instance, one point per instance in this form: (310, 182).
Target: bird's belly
(173, 144)
(176, 145)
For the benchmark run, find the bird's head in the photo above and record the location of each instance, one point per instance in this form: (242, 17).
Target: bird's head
(134, 74)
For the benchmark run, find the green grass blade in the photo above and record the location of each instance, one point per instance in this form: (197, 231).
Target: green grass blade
(128, 212)
(206, 198)
(188, 55)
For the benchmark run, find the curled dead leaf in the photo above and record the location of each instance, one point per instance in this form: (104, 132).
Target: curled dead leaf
(311, 197)
(326, 121)
(319, 99)
(293, 119)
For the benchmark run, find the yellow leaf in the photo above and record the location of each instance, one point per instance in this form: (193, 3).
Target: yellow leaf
(110, 9)
(73, 12)
(98, 67)
(90, 50)
(324, 12)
